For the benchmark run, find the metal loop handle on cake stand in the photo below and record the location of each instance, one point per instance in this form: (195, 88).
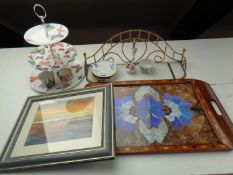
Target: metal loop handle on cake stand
(42, 17)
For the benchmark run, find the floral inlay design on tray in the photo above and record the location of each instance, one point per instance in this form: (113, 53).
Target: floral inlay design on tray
(162, 114)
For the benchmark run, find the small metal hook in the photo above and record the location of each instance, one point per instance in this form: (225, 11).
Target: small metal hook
(42, 17)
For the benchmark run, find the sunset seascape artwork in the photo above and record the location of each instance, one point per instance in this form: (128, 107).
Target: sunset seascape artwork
(62, 121)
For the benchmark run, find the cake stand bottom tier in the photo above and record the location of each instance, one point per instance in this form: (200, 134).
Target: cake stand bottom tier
(37, 84)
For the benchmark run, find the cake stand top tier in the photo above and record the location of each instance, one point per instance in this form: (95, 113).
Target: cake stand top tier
(45, 34)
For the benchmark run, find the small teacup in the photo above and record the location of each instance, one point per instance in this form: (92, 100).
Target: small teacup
(47, 78)
(65, 75)
(147, 65)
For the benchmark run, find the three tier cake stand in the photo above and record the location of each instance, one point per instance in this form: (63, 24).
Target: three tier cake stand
(55, 67)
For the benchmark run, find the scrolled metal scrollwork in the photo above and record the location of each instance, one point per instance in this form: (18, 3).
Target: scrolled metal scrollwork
(158, 51)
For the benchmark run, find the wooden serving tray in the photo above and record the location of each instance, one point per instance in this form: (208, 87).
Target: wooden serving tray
(160, 116)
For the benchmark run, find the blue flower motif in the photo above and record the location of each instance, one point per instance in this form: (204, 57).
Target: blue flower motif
(123, 117)
(150, 111)
(178, 111)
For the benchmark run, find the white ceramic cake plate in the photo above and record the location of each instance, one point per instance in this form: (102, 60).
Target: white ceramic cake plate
(45, 34)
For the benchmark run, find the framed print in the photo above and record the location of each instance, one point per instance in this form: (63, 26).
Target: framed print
(161, 116)
(62, 128)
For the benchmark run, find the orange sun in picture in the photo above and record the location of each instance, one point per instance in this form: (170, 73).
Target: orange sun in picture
(76, 106)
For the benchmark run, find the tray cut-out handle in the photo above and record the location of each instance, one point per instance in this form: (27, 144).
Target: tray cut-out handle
(216, 108)
(220, 121)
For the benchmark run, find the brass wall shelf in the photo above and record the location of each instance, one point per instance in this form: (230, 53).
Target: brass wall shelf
(144, 45)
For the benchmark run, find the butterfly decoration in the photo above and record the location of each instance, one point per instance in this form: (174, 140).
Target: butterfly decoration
(49, 27)
(70, 49)
(56, 36)
(151, 113)
(32, 62)
(155, 133)
(33, 78)
(60, 44)
(44, 63)
(39, 57)
(123, 118)
(60, 29)
(146, 91)
(38, 51)
(179, 113)
(66, 56)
